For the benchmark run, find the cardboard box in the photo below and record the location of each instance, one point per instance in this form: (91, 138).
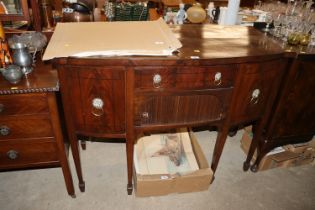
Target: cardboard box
(153, 38)
(156, 185)
(307, 147)
(289, 157)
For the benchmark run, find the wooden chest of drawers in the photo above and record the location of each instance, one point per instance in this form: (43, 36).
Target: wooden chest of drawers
(30, 128)
(26, 134)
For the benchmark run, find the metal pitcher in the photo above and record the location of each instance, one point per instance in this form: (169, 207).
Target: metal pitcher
(22, 57)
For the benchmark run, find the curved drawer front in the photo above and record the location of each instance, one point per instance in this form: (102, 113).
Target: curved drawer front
(19, 153)
(151, 78)
(26, 127)
(24, 104)
(181, 108)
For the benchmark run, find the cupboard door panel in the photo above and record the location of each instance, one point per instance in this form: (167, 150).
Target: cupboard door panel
(257, 84)
(98, 99)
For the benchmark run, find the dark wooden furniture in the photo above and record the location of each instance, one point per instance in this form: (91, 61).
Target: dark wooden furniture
(293, 118)
(30, 130)
(222, 76)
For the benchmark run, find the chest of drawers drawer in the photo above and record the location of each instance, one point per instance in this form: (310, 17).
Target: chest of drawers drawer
(24, 104)
(27, 153)
(30, 126)
(152, 78)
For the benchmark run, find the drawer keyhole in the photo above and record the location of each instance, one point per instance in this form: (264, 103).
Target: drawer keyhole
(145, 115)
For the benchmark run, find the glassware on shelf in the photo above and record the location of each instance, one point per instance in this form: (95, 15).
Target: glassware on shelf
(268, 20)
(277, 20)
(293, 22)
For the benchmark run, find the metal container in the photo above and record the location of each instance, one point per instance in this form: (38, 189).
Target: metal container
(22, 57)
(12, 73)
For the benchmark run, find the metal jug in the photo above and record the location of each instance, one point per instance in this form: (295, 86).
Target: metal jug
(22, 57)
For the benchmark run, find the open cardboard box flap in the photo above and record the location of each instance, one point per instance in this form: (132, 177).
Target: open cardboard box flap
(153, 38)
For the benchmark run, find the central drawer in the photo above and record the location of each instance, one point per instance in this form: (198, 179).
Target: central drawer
(160, 78)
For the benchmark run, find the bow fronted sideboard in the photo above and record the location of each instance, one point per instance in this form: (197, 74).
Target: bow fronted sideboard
(222, 76)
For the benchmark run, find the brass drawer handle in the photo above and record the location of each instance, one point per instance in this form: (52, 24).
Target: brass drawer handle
(255, 96)
(12, 154)
(4, 130)
(217, 78)
(157, 79)
(97, 107)
(1, 108)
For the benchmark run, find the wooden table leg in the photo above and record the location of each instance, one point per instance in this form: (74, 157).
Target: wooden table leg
(77, 162)
(54, 115)
(129, 151)
(219, 145)
(254, 145)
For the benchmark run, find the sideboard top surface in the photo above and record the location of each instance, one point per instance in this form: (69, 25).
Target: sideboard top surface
(203, 44)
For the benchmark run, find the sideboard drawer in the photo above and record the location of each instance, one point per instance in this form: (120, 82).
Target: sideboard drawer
(155, 77)
(150, 78)
(220, 76)
(19, 153)
(29, 127)
(24, 104)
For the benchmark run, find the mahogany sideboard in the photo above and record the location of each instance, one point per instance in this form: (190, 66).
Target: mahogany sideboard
(30, 129)
(222, 77)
